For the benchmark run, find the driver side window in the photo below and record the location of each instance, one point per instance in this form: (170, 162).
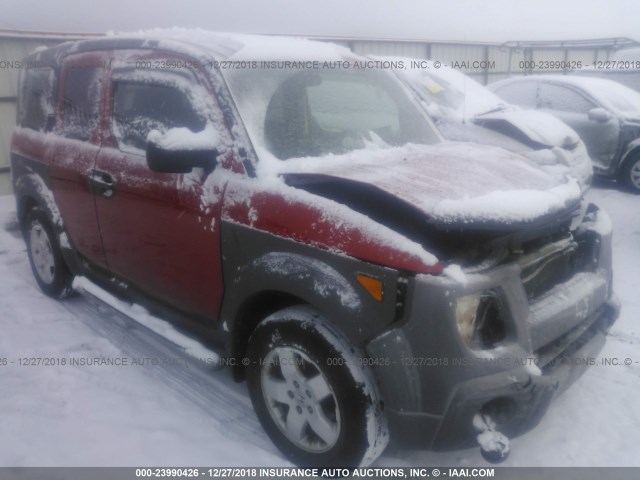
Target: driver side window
(139, 108)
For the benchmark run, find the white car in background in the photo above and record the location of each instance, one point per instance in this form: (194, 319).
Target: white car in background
(464, 110)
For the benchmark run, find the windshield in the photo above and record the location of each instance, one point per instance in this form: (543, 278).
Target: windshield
(291, 113)
(460, 96)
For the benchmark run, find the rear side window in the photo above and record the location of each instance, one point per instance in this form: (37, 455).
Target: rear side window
(519, 93)
(81, 101)
(36, 100)
(139, 108)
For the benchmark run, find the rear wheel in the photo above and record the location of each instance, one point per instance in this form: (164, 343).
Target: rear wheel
(48, 265)
(631, 173)
(315, 400)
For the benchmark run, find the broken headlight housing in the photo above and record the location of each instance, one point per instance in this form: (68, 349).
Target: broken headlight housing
(480, 320)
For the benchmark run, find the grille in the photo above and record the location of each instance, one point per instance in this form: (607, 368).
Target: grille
(543, 270)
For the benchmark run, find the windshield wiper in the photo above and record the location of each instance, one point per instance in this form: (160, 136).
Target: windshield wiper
(498, 108)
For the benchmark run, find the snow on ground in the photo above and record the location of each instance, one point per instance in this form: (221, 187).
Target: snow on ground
(97, 415)
(186, 414)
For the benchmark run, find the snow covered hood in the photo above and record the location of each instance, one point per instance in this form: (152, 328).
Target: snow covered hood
(540, 127)
(451, 182)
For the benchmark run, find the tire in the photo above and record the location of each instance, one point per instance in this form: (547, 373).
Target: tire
(630, 174)
(47, 264)
(317, 403)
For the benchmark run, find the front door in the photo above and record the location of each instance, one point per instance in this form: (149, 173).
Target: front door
(160, 231)
(570, 106)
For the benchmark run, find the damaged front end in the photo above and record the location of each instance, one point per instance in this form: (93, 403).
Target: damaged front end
(519, 311)
(522, 319)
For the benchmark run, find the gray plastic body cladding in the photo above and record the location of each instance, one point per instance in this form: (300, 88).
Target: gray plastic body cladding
(427, 349)
(255, 262)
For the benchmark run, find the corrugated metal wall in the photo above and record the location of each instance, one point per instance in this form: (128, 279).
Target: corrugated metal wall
(484, 62)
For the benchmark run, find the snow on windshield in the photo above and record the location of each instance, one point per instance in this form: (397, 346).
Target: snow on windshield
(460, 96)
(300, 112)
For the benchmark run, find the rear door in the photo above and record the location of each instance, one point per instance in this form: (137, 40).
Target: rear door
(73, 149)
(161, 231)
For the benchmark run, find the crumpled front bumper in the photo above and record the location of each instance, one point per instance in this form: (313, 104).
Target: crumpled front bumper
(517, 399)
(433, 384)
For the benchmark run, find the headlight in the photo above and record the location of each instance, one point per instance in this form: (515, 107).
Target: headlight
(480, 320)
(466, 311)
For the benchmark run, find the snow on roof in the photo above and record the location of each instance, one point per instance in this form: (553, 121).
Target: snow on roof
(244, 46)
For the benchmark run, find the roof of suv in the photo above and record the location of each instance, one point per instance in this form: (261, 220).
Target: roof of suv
(206, 45)
(586, 83)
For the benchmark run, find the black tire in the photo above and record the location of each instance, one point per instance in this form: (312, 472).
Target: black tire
(47, 264)
(630, 173)
(340, 426)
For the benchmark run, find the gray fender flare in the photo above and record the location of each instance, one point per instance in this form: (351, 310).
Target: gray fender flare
(632, 148)
(311, 281)
(33, 186)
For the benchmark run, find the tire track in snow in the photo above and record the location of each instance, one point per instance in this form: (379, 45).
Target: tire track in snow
(209, 387)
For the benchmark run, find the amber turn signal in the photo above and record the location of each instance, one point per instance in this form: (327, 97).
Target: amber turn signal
(372, 285)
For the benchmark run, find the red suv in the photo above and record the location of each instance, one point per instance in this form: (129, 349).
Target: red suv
(287, 201)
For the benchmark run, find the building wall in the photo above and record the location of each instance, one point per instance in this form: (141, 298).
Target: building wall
(484, 62)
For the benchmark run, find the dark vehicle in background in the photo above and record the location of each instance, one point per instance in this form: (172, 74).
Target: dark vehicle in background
(464, 110)
(369, 281)
(605, 113)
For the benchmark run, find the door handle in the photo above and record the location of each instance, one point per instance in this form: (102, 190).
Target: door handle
(101, 183)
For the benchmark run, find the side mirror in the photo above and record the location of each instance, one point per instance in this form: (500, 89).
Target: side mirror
(599, 115)
(179, 161)
(179, 151)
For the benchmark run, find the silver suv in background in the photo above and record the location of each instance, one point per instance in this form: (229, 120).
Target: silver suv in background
(605, 113)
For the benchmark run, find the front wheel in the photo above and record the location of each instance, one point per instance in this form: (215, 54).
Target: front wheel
(319, 405)
(630, 174)
(48, 266)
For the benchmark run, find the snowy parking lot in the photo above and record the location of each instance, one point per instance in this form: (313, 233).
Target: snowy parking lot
(137, 413)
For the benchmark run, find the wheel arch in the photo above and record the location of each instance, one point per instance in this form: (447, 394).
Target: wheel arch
(24, 205)
(264, 273)
(249, 315)
(628, 168)
(632, 150)
(31, 191)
